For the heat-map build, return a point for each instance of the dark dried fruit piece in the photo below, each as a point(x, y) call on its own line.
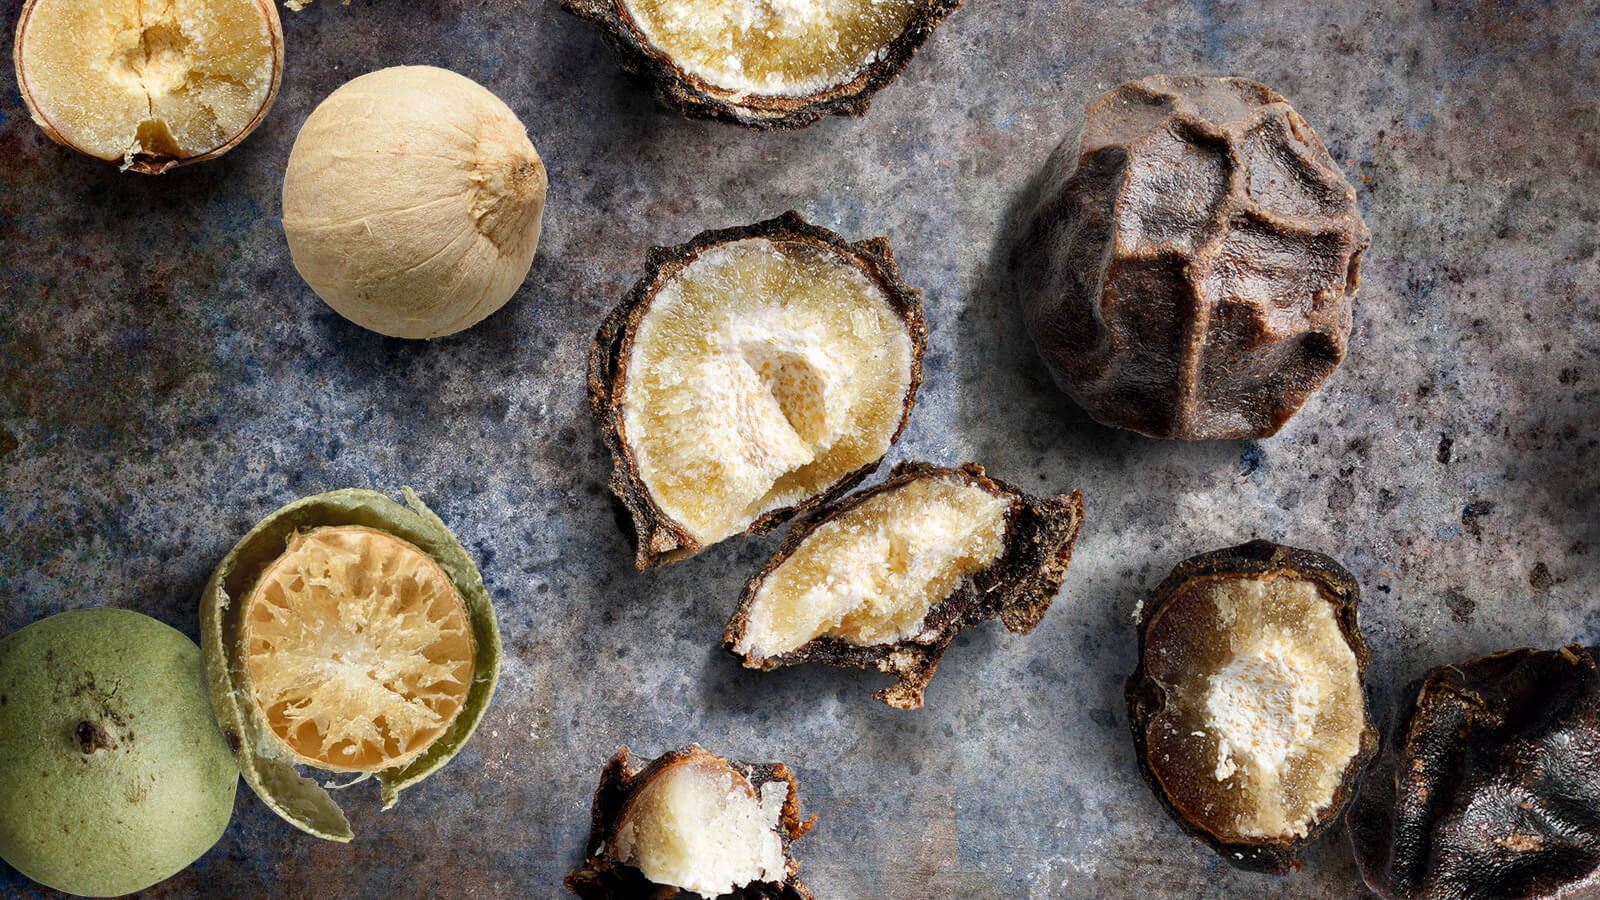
point(752, 374)
point(885, 579)
point(765, 65)
point(1190, 265)
point(1248, 712)
point(692, 822)
point(1490, 787)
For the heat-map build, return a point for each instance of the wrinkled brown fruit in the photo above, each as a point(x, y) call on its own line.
point(1248, 710)
point(624, 784)
point(915, 587)
point(1490, 785)
point(1190, 265)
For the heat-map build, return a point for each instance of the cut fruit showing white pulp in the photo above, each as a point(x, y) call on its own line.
point(762, 373)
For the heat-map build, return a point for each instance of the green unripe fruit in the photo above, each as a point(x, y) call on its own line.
point(113, 775)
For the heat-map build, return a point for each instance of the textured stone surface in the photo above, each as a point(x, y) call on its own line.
point(166, 380)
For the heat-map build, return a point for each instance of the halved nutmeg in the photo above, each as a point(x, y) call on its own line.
point(691, 821)
point(1489, 787)
point(750, 375)
point(151, 84)
point(1248, 710)
point(886, 578)
point(765, 65)
point(346, 633)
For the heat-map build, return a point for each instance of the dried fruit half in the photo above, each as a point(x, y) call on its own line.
point(693, 822)
point(1248, 708)
point(750, 375)
point(347, 633)
point(151, 84)
point(765, 64)
point(886, 578)
point(1490, 786)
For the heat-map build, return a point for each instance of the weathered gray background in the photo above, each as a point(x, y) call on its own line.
point(166, 379)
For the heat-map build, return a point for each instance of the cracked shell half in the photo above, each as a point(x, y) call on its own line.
point(750, 375)
point(149, 84)
point(765, 63)
point(1248, 708)
point(691, 823)
point(886, 578)
point(346, 633)
point(1490, 785)
point(1191, 264)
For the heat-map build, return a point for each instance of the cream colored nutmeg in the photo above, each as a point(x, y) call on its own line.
point(151, 84)
point(413, 202)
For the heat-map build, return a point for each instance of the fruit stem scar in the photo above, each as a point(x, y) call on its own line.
point(91, 736)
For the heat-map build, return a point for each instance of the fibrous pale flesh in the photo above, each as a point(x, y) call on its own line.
point(413, 202)
point(347, 633)
point(696, 822)
point(766, 63)
point(151, 84)
point(750, 374)
point(886, 578)
point(1190, 266)
point(113, 774)
point(1248, 711)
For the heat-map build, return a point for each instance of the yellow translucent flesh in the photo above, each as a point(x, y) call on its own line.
point(760, 375)
point(1264, 708)
point(699, 826)
point(358, 650)
point(169, 78)
point(791, 48)
point(870, 575)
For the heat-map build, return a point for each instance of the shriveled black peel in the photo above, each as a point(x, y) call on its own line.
point(1146, 698)
point(602, 877)
point(697, 99)
point(1017, 588)
point(658, 540)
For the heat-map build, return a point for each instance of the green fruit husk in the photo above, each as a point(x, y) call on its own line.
point(266, 767)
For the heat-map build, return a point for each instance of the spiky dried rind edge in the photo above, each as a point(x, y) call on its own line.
point(148, 163)
point(1257, 558)
point(1405, 759)
point(1017, 588)
point(603, 878)
point(268, 771)
point(658, 540)
point(696, 99)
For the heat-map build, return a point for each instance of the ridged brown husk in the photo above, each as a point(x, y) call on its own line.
point(1489, 787)
point(658, 540)
point(1017, 589)
point(603, 878)
point(1146, 698)
point(1190, 267)
point(697, 99)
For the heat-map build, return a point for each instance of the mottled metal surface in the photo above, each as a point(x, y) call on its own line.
point(166, 379)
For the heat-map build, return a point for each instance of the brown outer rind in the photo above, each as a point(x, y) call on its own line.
point(149, 163)
point(658, 540)
point(1145, 698)
point(1018, 588)
point(603, 878)
point(697, 99)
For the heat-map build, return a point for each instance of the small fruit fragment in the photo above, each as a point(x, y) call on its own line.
point(749, 375)
point(151, 84)
point(886, 578)
point(693, 821)
point(1190, 267)
point(413, 202)
point(384, 632)
point(346, 632)
point(766, 63)
point(1248, 711)
point(1489, 786)
point(113, 775)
